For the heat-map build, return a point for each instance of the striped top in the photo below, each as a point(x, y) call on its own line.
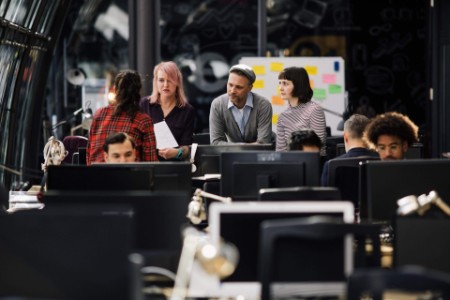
point(305, 115)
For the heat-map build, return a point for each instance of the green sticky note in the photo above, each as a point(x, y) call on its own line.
point(320, 94)
point(334, 89)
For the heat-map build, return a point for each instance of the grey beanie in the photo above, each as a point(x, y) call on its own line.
point(248, 71)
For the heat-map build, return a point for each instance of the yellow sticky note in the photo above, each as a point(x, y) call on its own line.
point(259, 70)
point(258, 84)
point(277, 100)
point(274, 118)
point(276, 67)
point(312, 70)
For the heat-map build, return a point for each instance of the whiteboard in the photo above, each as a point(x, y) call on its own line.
point(327, 77)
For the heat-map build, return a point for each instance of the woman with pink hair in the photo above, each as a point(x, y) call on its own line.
point(168, 103)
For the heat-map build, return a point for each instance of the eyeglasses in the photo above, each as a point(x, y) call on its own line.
point(390, 148)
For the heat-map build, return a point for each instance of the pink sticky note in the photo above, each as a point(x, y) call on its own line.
point(329, 78)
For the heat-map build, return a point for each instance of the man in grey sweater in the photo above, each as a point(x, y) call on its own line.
point(240, 116)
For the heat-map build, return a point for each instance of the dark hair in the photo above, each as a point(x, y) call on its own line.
point(355, 126)
point(391, 123)
point(303, 137)
point(300, 79)
point(128, 92)
point(118, 138)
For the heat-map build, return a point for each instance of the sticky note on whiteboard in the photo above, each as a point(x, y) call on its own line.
point(277, 100)
point(312, 70)
point(329, 78)
point(258, 84)
point(275, 118)
point(276, 67)
point(334, 89)
point(259, 70)
point(320, 94)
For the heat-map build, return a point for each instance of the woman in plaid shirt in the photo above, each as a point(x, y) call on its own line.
point(123, 115)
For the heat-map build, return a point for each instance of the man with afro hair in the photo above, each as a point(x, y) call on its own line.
point(391, 134)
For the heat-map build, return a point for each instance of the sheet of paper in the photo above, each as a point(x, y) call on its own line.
point(164, 137)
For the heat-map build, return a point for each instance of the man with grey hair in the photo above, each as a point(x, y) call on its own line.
point(240, 116)
point(355, 146)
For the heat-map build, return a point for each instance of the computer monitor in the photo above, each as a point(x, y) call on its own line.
point(422, 241)
point(414, 152)
point(159, 216)
point(66, 253)
point(207, 157)
point(82, 178)
point(239, 223)
point(384, 182)
point(157, 176)
point(243, 174)
point(300, 193)
point(167, 175)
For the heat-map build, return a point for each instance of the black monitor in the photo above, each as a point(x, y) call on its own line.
point(207, 157)
point(243, 174)
point(239, 224)
point(167, 175)
point(384, 182)
point(66, 253)
point(415, 151)
point(421, 240)
point(159, 216)
point(300, 193)
point(146, 176)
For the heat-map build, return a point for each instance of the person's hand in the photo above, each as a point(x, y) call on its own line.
point(168, 153)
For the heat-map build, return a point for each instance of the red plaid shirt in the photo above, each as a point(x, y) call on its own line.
point(105, 124)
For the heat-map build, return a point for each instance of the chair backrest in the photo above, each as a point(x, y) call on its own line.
point(313, 249)
point(374, 282)
point(416, 151)
point(202, 138)
point(300, 193)
point(72, 143)
point(344, 174)
point(331, 143)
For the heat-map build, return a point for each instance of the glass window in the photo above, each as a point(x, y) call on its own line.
point(205, 38)
point(3, 5)
point(47, 18)
point(32, 13)
point(17, 11)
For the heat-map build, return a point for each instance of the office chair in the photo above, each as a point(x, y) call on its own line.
point(415, 151)
point(72, 143)
point(344, 174)
point(312, 250)
point(300, 193)
point(374, 282)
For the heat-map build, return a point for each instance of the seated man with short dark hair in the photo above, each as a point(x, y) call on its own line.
point(119, 148)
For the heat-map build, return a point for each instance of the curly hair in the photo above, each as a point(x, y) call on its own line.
point(391, 123)
point(128, 92)
point(300, 79)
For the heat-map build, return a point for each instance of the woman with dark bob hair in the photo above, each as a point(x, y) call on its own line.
point(302, 112)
